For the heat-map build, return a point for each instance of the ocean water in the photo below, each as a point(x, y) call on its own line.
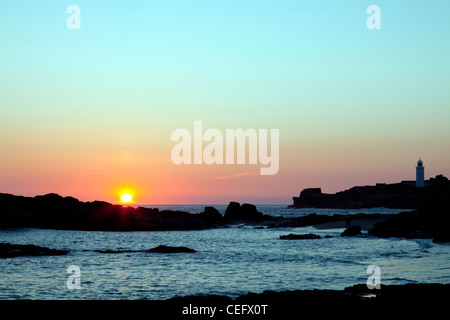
point(230, 261)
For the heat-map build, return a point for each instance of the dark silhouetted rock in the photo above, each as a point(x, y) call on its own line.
point(211, 213)
point(233, 210)
point(292, 236)
point(397, 300)
point(403, 195)
point(351, 231)
point(442, 237)
point(427, 223)
point(246, 212)
point(52, 211)
point(356, 302)
point(168, 249)
point(8, 250)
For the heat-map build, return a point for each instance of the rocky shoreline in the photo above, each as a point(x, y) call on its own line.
point(402, 195)
point(56, 212)
point(431, 300)
point(401, 299)
point(52, 211)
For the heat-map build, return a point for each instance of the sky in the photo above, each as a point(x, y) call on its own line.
point(89, 112)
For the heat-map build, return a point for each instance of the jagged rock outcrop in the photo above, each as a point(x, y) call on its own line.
point(211, 214)
point(246, 212)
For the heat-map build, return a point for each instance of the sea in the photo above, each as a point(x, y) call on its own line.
point(229, 261)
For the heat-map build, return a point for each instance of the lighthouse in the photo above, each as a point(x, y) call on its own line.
point(420, 176)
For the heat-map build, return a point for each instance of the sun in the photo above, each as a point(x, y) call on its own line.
point(126, 197)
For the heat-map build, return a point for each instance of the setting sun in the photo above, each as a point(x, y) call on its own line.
point(126, 197)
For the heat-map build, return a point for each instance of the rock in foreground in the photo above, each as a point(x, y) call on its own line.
point(395, 300)
point(356, 302)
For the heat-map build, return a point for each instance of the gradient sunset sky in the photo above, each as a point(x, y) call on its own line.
point(89, 113)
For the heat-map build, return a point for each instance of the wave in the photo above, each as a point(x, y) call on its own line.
point(424, 243)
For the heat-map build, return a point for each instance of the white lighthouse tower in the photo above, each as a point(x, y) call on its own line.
point(420, 176)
